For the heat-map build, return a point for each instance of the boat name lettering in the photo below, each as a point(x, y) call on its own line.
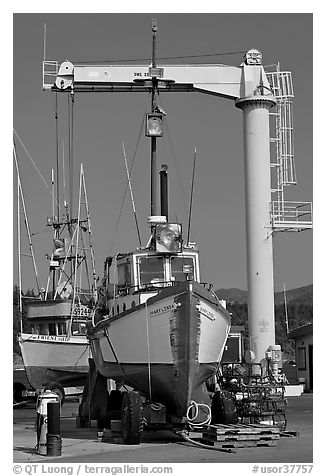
point(82, 311)
point(51, 338)
point(161, 310)
point(206, 312)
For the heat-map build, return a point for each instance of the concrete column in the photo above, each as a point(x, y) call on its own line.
point(260, 277)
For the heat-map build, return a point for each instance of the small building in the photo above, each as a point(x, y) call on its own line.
point(304, 354)
point(233, 351)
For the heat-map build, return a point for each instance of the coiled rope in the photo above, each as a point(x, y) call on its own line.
point(197, 406)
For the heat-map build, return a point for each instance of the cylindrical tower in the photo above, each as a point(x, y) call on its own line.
point(260, 278)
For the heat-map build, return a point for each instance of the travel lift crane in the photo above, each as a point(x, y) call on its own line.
point(256, 92)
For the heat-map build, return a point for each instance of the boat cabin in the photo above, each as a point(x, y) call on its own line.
point(53, 317)
point(132, 278)
point(148, 270)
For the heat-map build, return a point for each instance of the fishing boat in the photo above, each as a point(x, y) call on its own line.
point(159, 332)
point(55, 350)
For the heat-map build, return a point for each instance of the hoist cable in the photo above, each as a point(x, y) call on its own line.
point(57, 151)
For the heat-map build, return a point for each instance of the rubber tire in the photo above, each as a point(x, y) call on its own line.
point(223, 408)
point(115, 405)
point(18, 392)
point(58, 389)
point(115, 400)
point(132, 418)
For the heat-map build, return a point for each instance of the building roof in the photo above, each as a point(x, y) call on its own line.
point(300, 331)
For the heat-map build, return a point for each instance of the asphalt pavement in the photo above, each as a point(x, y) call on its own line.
point(80, 445)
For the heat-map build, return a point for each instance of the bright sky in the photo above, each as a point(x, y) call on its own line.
point(212, 125)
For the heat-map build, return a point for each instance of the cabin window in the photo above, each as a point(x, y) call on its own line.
point(151, 269)
point(124, 279)
point(52, 329)
point(133, 304)
point(75, 328)
point(124, 307)
point(42, 330)
point(182, 268)
point(62, 328)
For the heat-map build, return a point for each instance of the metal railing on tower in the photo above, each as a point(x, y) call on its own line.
point(285, 215)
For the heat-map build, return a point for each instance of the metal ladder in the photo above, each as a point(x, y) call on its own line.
point(285, 215)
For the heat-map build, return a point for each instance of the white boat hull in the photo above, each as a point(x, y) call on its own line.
point(166, 348)
point(55, 358)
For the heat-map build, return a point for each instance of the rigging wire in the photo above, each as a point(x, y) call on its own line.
point(165, 57)
point(71, 101)
point(148, 355)
point(35, 166)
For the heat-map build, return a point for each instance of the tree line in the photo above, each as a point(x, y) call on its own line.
point(298, 315)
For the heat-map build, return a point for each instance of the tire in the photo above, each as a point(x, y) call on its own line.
point(115, 405)
point(132, 418)
point(58, 389)
point(223, 408)
point(115, 400)
point(18, 392)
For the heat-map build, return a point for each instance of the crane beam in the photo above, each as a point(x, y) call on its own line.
point(224, 81)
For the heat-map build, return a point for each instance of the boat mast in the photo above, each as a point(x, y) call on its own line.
point(21, 209)
point(153, 139)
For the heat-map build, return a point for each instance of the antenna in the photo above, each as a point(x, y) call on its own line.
point(44, 42)
point(286, 310)
point(191, 194)
point(52, 185)
point(131, 194)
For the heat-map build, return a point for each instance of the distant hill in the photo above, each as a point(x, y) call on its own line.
point(302, 295)
point(232, 295)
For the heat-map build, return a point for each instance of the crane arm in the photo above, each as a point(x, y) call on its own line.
point(225, 81)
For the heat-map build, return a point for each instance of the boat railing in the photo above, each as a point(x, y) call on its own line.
point(149, 287)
